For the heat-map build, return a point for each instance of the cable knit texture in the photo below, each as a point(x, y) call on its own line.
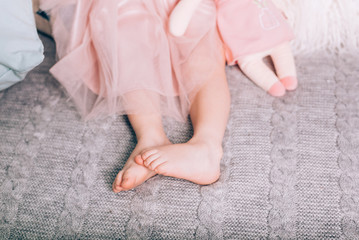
point(347, 109)
point(282, 195)
point(289, 169)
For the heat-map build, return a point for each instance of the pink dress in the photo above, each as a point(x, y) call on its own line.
point(117, 56)
point(250, 26)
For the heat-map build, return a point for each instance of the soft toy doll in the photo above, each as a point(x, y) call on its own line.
point(251, 30)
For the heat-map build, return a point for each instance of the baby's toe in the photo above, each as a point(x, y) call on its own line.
point(151, 159)
point(147, 153)
point(139, 160)
point(161, 169)
point(116, 185)
point(155, 164)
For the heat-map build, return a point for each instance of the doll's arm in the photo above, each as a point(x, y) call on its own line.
point(181, 16)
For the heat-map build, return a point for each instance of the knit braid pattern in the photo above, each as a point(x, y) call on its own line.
point(289, 169)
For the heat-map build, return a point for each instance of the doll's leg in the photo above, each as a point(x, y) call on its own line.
point(285, 67)
point(198, 160)
point(262, 75)
point(149, 133)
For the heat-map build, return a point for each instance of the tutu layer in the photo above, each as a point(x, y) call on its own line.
point(117, 56)
point(250, 26)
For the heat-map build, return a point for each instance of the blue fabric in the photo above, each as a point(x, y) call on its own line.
point(20, 47)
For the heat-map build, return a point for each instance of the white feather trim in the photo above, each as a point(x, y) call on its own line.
point(323, 24)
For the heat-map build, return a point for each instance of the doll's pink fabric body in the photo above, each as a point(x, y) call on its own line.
point(250, 26)
point(117, 56)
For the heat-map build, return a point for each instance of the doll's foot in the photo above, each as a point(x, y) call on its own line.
point(133, 174)
point(290, 83)
point(196, 161)
point(277, 89)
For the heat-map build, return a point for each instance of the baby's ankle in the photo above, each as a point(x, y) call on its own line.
point(214, 146)
point(153, 138)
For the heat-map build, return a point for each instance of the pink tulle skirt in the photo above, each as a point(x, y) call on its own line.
point(117, 56)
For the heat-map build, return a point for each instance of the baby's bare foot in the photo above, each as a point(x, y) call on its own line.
point(133, 174)
point(198, 162)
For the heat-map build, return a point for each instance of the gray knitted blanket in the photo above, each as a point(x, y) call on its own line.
point(290, 168)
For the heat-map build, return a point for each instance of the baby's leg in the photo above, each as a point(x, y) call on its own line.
point(149, 133)
point(256, 70)
point(285, 67)
point(198, 160)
